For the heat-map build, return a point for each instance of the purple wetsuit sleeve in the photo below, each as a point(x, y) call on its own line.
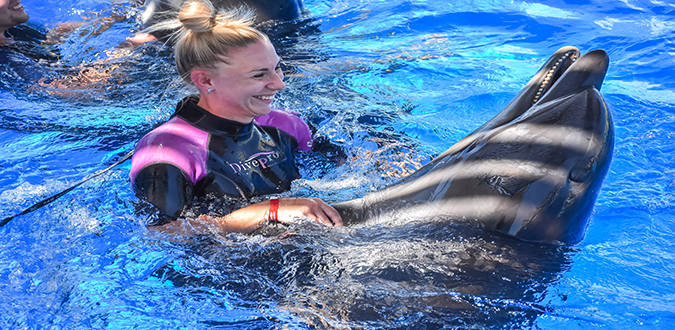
point(167, 163)
point(290, 124)
point(177, 143)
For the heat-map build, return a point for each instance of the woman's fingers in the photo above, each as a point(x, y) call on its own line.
point(330, 212)
point(320, 217)
point(313, 208)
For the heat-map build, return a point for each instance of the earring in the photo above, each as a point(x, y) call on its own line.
point(208, 91)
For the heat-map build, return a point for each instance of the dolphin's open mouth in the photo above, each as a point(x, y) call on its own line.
point(557, 70)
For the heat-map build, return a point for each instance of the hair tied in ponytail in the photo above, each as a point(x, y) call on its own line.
point(214, 20)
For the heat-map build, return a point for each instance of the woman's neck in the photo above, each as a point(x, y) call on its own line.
point(213, 109)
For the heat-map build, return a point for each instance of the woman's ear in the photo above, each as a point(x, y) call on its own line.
point(202, 79)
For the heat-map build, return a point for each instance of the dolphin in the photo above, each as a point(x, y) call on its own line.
point(533, 171)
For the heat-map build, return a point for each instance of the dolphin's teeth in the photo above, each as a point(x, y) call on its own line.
point(550, 73)
point(573, 57)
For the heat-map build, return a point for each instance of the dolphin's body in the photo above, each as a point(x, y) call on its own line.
point(533, 171)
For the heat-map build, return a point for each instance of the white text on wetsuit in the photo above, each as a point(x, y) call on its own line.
point(262, 160)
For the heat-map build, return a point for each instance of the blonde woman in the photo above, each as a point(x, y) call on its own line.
point(222, 141)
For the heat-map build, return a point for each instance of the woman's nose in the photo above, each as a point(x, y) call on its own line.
point(277, 82)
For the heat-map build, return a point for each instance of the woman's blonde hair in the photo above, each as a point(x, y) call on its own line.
point(206, 35)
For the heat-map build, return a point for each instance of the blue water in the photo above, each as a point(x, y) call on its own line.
point(393, 82)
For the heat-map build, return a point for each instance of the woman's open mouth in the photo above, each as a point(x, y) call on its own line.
point(264, 97)
point(17, 6)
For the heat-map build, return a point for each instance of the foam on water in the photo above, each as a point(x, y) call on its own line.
point(392, 82)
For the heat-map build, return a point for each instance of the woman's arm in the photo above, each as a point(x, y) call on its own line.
point(166, 187)
point(254, 216)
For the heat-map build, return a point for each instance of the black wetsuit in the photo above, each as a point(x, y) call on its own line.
point(197, 153)
point(24, 60)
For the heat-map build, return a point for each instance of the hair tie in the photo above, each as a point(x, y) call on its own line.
point(213, 19)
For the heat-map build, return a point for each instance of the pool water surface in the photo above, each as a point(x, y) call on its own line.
point(394, 83)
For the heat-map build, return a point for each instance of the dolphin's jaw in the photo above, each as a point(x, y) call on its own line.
point(558, 68)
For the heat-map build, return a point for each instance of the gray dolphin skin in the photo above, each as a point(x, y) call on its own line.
point(533, 171)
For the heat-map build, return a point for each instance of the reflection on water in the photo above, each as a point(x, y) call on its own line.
point(393, 84)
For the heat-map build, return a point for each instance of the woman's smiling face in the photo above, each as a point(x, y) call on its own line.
point(243, 86)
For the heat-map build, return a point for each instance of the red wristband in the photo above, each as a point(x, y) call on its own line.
point(274, 207)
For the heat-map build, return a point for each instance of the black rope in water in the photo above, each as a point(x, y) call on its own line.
point(67, 190)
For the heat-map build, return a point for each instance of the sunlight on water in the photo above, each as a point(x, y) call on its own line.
point(541, 10)
point(394, 83)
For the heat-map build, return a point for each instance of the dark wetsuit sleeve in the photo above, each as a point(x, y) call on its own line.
point(165, 186)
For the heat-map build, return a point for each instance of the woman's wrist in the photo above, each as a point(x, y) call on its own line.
point(273, 212)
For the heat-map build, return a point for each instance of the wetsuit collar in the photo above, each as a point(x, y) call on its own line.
point(188, 110)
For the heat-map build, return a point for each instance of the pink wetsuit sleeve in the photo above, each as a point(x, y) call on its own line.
point(175, 142)
point(290, 124)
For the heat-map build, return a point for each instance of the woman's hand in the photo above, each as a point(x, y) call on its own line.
point(254, 216)
point(312, 208)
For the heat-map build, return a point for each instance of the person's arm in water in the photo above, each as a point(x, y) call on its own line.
point(157, 10)
point(98, 22)
point(166, 187)
point(256, 215)
point(140, 38)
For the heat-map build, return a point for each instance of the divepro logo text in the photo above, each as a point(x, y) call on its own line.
point(262, 160)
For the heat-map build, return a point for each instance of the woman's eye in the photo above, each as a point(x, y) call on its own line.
point(259, 75)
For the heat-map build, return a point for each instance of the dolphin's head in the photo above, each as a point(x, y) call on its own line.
point(533, 171)
point(562, 146)
point(540, 83)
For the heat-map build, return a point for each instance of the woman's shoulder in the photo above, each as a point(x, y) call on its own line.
point(290, 124)
point(174, 132)
point(175, 142)
point(28, 32)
